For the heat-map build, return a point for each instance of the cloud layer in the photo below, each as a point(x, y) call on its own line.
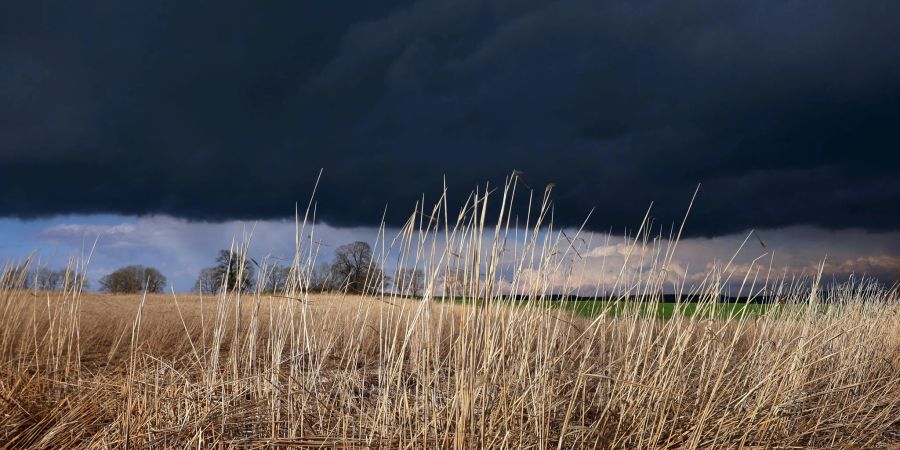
point(180, 248)
point(786, 111)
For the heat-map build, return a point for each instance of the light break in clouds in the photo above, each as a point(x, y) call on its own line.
point(180, 248)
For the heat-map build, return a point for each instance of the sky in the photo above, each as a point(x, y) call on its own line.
point(170, 127)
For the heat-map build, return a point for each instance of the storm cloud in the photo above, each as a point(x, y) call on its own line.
point(787, 112)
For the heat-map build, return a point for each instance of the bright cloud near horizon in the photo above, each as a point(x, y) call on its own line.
point(181, 248)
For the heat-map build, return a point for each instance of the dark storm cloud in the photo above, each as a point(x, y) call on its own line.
point(787, 112)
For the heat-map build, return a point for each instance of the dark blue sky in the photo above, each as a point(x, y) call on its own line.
point(787, 112)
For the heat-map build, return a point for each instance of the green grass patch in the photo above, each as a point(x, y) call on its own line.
point(663, 310)
point(591, 308)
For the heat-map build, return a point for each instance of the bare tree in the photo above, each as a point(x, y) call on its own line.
point(353, 269)
point(276, 278)
point(233, 269)
point(206, 282)
point(231, 272)
point(44, 279)
point(409, 282)
point(320, 278)
point(132, 279)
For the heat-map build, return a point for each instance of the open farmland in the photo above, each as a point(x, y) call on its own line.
point(332, 371)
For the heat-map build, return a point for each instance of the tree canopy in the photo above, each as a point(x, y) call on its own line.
point(133, 279)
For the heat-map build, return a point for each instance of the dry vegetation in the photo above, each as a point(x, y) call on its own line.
point(81, 370)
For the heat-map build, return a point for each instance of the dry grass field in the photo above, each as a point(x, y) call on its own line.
point(819, 369)
point(102, 371)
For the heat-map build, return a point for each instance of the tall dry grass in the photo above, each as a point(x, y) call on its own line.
point(296, 370)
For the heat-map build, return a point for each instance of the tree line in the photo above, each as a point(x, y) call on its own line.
point(40, 278)
point(353, 270)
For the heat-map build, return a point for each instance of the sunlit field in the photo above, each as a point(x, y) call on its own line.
point(659, 309)
point(807, 365)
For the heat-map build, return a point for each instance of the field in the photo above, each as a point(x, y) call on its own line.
point(101, 371)
point(818, 369)
point(664, 310)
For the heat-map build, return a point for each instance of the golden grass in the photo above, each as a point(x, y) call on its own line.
point(359, 372)
point(297, 370)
